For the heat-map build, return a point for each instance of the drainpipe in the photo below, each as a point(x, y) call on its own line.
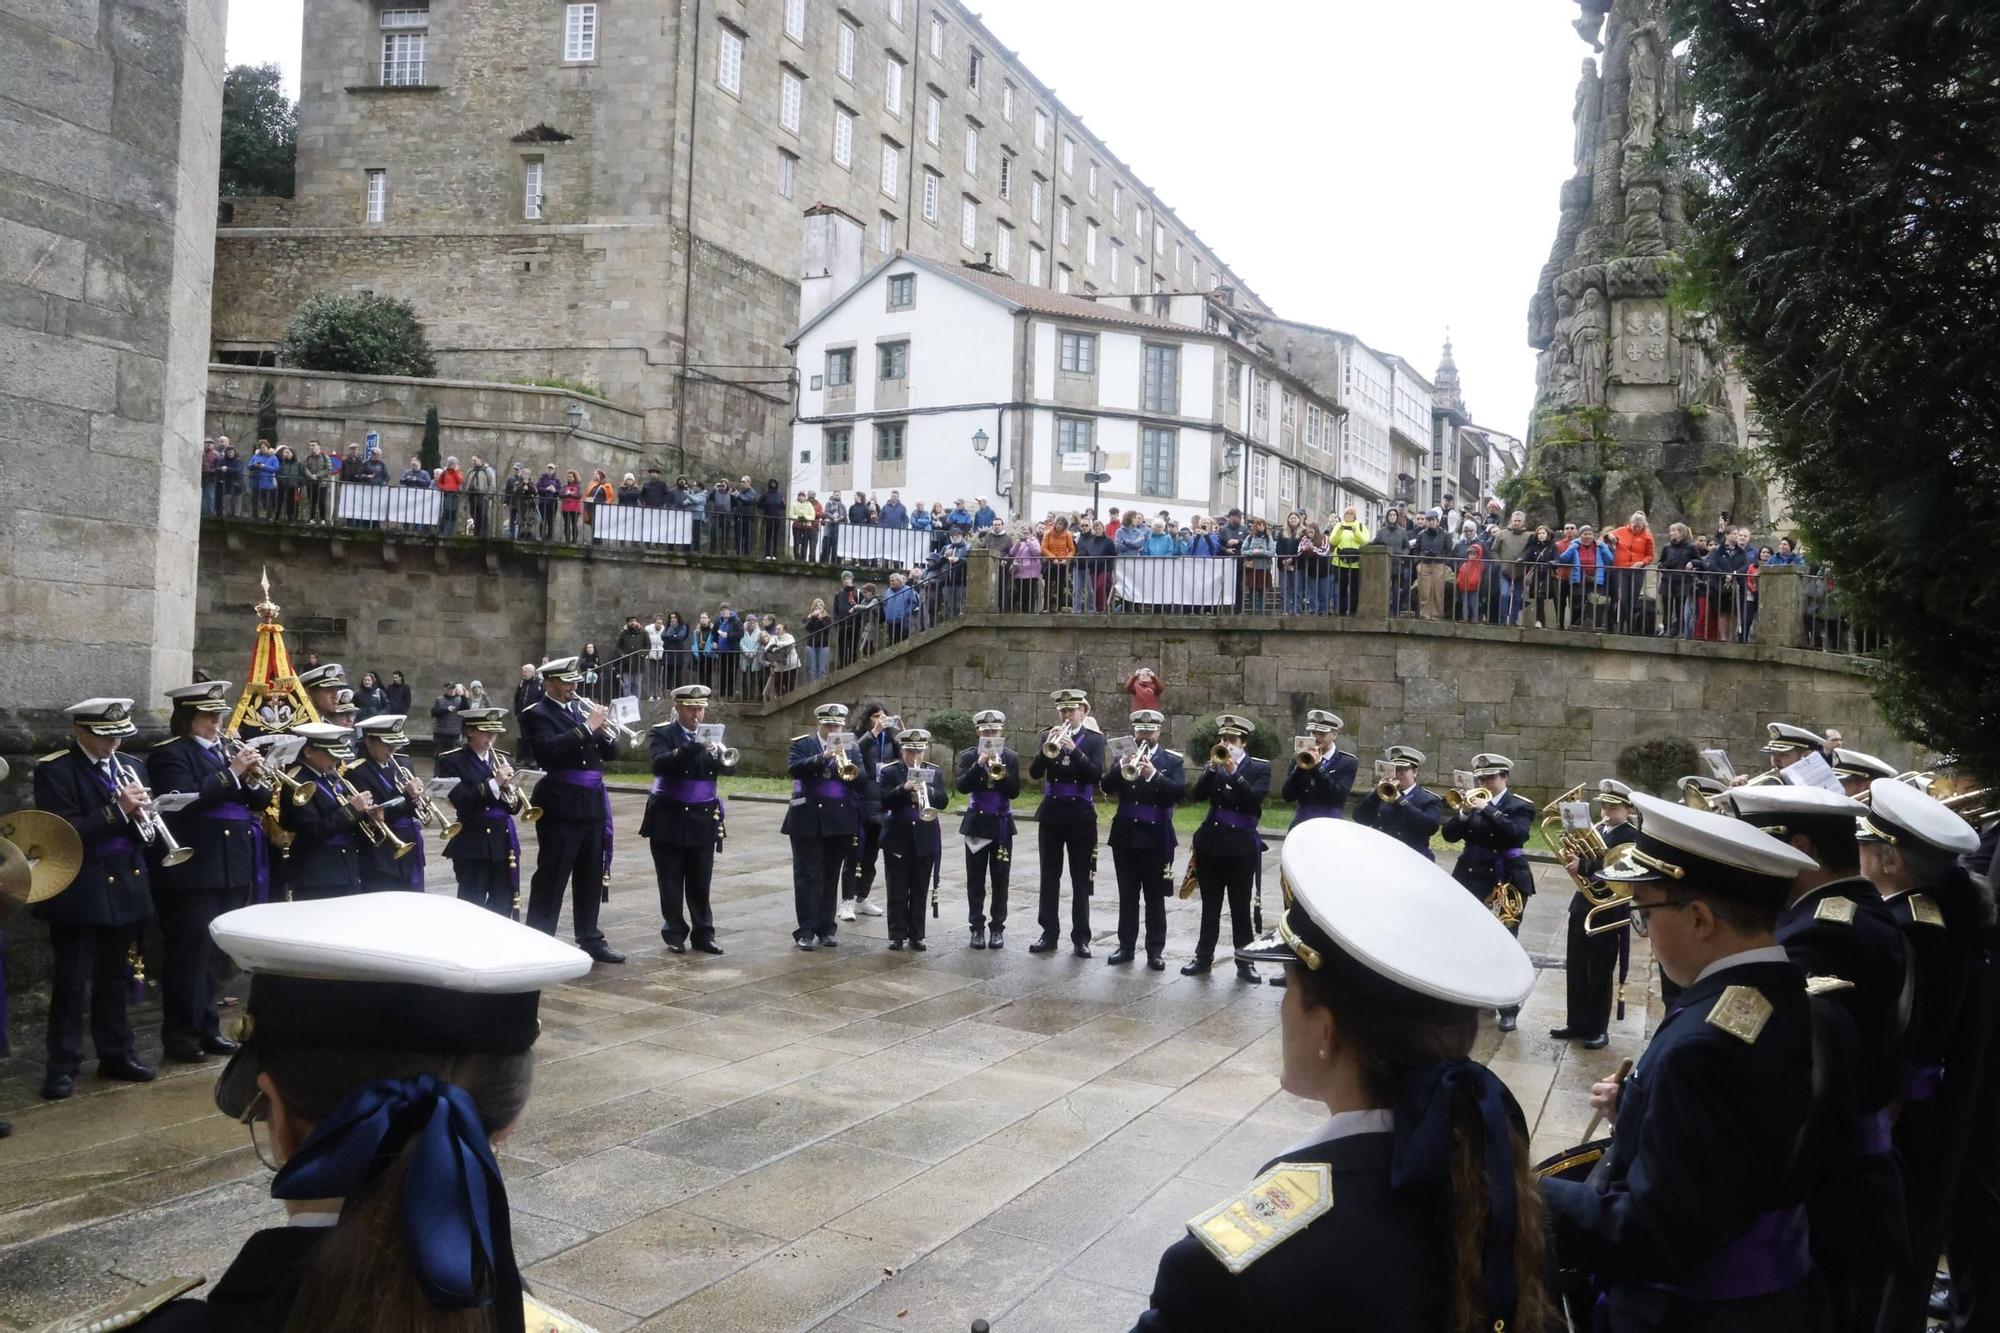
point(687, 253)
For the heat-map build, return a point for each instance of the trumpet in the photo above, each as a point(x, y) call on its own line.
point(1307, 760)
point(511, 796)
point(1476, 799)
point(1219, 754)
point(925, 811)
point(1387, 790)
point(373, 826)
point(425, 809)
point(844, 766)
point(152, 828)
point(1129, 770)
point(996, 767)
point(1052, 748)
point(300, 792)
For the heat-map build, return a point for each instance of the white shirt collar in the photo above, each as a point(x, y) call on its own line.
point(315, 1219)
point(1347, 1124)
point(1770, 953)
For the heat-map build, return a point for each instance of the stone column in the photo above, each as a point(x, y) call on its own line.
point(1781, 607)
point(107, 247)
point(1375, 574)
point(981, 569)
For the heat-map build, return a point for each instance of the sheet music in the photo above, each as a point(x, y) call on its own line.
point(438, 789)
point(1575, 814)
point(1717, 762)
point(1813, 771)
point(710, 733)
point(170, 802)
point(625, 709)
point(1385, 771)
point(990, 747)
point(1462, 779)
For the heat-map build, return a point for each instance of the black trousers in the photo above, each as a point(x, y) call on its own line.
point(816, 882)
point(909, 879)
point(996, 859)
point(187, 970)
point(1078, 844)
point(87, 958)
point(568, 851)
point(485, 883)
point(858, 867)
point(1142, 877)
point(1223, 877)
point(684, 874)
point(1592, 972)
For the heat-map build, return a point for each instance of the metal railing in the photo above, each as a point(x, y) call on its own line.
point(1711, 606)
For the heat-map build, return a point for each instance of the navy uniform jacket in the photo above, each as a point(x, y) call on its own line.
point(1845, 930)
point(1320, 792)
point(1145, 816)
point(225, 850)
point(112, 887)
point(822, 805)
point(1376, 1261)
point(380, 782)
point(973, 779)
point(1489, 834)
point(255, 1292)
point(1707, 1143)
point(900, 833)
point(1243, 792)
point(1941, 922)
point(560, 744)
point(1082, 767)
point(872, 750)
point(482, 817)
point(1410, 821)
point(680, 757)
point(325, 858)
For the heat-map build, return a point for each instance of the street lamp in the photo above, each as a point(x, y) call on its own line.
point(982, 444)
point(576, 416)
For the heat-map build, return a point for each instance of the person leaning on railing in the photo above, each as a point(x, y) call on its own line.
point(1678, 562)
point(1257, 551)
point(1586, 561)
point(1533, 571)
point(1347, 538)
point(1058, 549)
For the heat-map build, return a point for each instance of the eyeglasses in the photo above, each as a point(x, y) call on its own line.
point(1640, 924)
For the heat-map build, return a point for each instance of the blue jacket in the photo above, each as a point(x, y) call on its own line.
point(263, 470)
point(958, 518)
point(1131, 539)
point(895, 516)
point(921, 521)
point(898, 603)
point(1573, 557)
point(1205, 543)
point(984, 518)
point(1780, 558)
point(1159, 543)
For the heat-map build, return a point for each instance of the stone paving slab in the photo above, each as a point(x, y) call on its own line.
point(846, 1141)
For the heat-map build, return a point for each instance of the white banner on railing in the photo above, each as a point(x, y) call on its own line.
point(901, 547)
point(1176, 580)
point(634, 523)
point(389, 504)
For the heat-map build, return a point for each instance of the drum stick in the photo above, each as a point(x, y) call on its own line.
point(1624, 1072)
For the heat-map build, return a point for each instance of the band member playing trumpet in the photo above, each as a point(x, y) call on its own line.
point(913, 793)
point(1401, 806)
point(396, 791)
point(1228, 853)
point(823, 821)
point(1591, 974)
point(1321, 776)
point(1069, 763)
point(1494, 828)
point(327, 841)
point(1856, 770)
point(104, 797)
point(322, 685)
point(571, 740)
point(485, 853)
point(990, 783)
point(223, 828)
point(683, 822)
point(1148, 786)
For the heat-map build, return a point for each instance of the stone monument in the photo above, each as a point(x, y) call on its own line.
point(1634, 407)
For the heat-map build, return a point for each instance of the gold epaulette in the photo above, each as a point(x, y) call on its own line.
point(1826, 985)
point(1742, 1012)
point(1839, 910)
point(539, 1318)
point(796, 739)
point(1924, 910)
point(1278, 1205)
point(349, 768)
point(158, 744)
point(453, 750)
point(51, 758)
point(128, 1309)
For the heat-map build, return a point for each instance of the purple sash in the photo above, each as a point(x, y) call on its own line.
point(1771, 1256)
point(235, 812)
point(696, 791)
point(1070, 791)
point(993, 803)
point(590, 777)
point(1235, 819)
point(823, 789)
point(115, 845)
point(1487, 853)
point(1306, 812)
point(1925, 1080)
point(1872, 1137)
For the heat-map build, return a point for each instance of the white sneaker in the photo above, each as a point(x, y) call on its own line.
point(868, 908)
point(846, 912)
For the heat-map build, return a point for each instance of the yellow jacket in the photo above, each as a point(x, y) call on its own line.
point(1347, 539)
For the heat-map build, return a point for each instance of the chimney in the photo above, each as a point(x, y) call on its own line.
point(830, 262)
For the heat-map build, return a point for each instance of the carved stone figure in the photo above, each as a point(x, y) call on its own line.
point(1589, 108)
point(1642, 98)
point(1591, 21)
point(1645, 234)
point(1701, 382)
point(1587, 347)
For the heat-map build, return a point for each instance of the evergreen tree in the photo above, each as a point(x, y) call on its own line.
point(427, 453)
point(358, 335)
point(260, 133)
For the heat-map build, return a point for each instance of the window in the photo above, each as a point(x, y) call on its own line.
point(1197, 275)
point(1260, 407)
point(1117, 202)
point(1006, 175)
point(973, 64)
point(729, 62)
point(968, 223)
point(788, 173)
point(1041, 129)
point(1117, 253)
point(1260, 481)
point(378, 196)
point(403, 59)
point(1157, 466)
point(1034, 265)
point(1069, 156)
point(1159, 242)
point(1035, 201)
point(531, 189)
point(1090, 241)
point(843, 136)
point(1076, 435)
point(1003, 247)
point(885, 234)
point(1090, 179)
point(892, 360)
point(896, 12)
point(892, 87)
point(791, 97)
point(1163, 374)
point(1062, 278)
point(892, 168)
point(1288, 410)
point(931, 183)
point(889, 441)
point(902, 290)
point(580, 32)
point(1235, 380)
point(407, 18)
point(937, 37)
point(1006, 100)
point(839, 445)
point(971, 148)
point(845, 61)
point(1180, 259)
point(933, 113)
point(1077, 353)
point(795, 20)
point(1288, 483)
point(1062, 222)
point(839, 367)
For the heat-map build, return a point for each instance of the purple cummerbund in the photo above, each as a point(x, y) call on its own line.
point(1306, 812)
point(1069, 791)
point(233, 811)
point(989, 803)
point(688, 791)
point(116, 845)
point(1773, 1255)
point(580, 777)
point(824, 789)
point(1492, 855)
point(1234, 819)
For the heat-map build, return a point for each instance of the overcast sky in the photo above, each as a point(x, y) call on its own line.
point(1385, 168)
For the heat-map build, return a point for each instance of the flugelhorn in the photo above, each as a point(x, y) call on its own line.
point(1476, 799)
point(374, 825)
point(424, 808)
point(1052, 747)
point(1218, 753)
point(511, 796)
point(1129, 769)
point(152, 828)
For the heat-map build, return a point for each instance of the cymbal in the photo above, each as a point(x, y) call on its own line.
point(46, 846)
point(16, 875)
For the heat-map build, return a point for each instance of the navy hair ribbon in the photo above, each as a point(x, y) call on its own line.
point(1422, 1158)
point(455, 1218)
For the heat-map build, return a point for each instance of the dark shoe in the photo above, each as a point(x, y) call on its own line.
point(1506, 1020)
point(675, 946)
point(918, 946)
point(1196, 968)
point(1248, 972)
point(217, 1044)
point(996, 938)
point(708, 947)
point(978, 940)
point(125, 1070)
point(1081, 949)
point(184, 1053)
point(805, 945)
point(56, 1087)
point(601, 952)
point(1564, 1034)
point(1279, 981)
point(1123, 955)
point(828, 942)
point(1046, 944)
point(895, 946)
point(1598, 1042)
point(1155, 963)
point(5, 1129)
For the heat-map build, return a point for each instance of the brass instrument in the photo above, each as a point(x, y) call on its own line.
point(1506, 903)
point(996, 767)
point(375, 825)
point(1129, 769)
point(1478, 798)
point(1387, 790)
point(152, 828)
point(925, 811)
point(844, 766)
point(1770, 777)
point(424, 808)
point(1052, 747)
point(1581, 844)
point(300, 792)
point(511, 796)
point(1307, 759)
point(1972, 806)
point(1219, 754)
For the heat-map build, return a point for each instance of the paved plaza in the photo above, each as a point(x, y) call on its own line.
point(847, 1141)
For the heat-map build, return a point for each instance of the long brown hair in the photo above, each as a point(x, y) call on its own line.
point(1391, 1045)
point(358, 1279)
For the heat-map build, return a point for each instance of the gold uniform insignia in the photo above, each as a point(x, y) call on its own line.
point(1825, 985)
point(1924, 910)
point(539, 1318)
point(1840, 910)
point(128, 1309)
point(1742, 1012)
point(1278, 1205)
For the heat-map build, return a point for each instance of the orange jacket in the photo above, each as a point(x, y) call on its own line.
point(1634, 548)
point(1058, 544)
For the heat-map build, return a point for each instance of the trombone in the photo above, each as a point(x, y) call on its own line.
point(375, 825)
point(152, 828)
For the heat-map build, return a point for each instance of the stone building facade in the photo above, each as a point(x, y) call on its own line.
point(612, 193)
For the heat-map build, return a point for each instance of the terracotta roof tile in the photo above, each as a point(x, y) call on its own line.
point(1044, 301)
